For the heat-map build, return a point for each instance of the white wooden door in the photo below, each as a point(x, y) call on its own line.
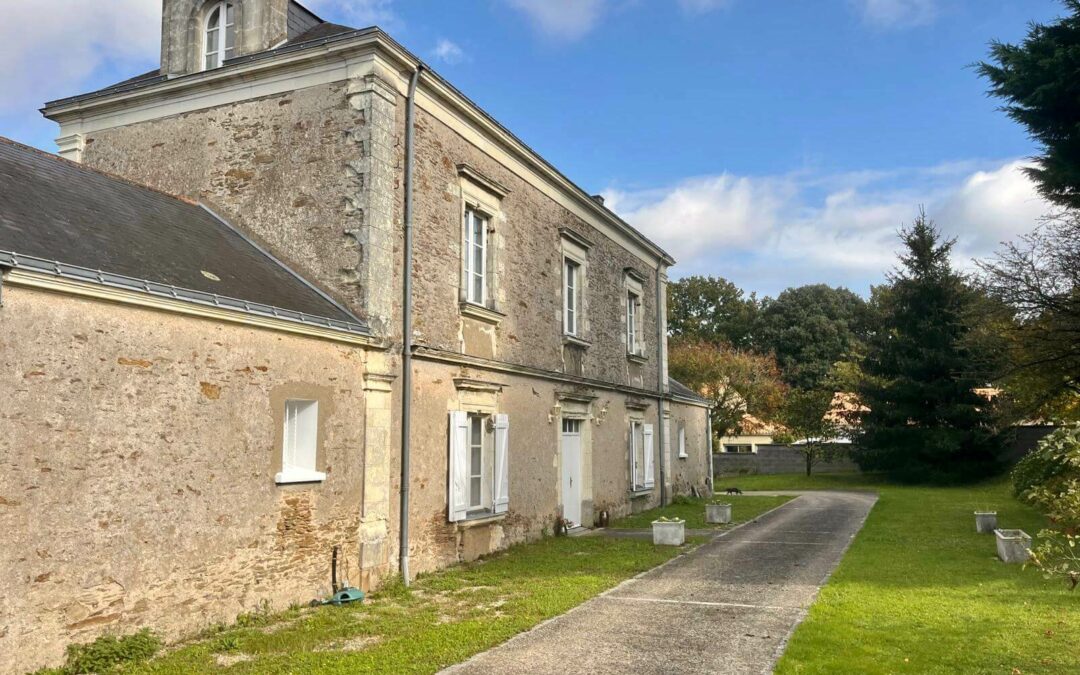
point(571, 470)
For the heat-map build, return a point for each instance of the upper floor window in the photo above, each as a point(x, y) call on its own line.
point(220, 35)
point(633, 333)
point(475, 257)
point(571, 296)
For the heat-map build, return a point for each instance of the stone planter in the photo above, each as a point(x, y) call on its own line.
point(1013, 545)
point(718, 514)
point(985, 522)
point(669, 533)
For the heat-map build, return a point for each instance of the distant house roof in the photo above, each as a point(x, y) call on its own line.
point(682, 391)
point(60, 217)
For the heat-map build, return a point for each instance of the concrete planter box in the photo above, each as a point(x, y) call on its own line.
point(668, 534)
point(718, 514)
point(1013, 545)
point(985, 522)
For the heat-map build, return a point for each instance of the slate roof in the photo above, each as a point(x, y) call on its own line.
point(52, 209)
point(682, 391)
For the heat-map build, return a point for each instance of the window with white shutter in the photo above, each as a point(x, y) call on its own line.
point(299, 443)
point(479, 465)
point(647, 433)
point(682, 441)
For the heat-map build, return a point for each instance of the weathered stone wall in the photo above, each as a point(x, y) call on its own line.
point(528, 268)
point(773, 459)
point(695, 469)
point(311, 174)
point(534, 439)
point(138, 456)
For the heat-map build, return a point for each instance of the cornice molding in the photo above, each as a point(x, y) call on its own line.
point(364, 53)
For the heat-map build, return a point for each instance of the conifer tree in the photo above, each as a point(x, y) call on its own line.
point(927, 421)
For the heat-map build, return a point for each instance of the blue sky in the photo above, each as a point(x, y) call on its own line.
point(773, 142)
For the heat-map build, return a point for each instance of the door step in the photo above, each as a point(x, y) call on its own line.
point(577, 531)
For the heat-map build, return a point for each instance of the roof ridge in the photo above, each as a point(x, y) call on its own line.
point(100, 172)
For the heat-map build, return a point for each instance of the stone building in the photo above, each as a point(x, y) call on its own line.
point(147, 442)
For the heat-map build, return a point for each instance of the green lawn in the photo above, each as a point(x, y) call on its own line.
point(920, 592)
point(693, 512)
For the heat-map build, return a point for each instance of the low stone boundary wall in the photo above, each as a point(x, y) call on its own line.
point(772, 459)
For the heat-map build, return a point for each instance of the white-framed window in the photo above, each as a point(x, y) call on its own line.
point(641, 456)
point(571, 296)
point(475, 256)
point(738, 448)
point(219, 35)
point(633, 332)
point(299, 443)
point(479, 469)
point(682, 442)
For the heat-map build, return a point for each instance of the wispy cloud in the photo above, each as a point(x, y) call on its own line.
point(359, 13)
point(562, 19)
point(448, 52)
point(50, 48)
point(769, 232)
point(893, 14)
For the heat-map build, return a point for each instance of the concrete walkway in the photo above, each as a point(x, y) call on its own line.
point(727, 607)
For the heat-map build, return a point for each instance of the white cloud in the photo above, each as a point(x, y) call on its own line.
point(49, 48)
point(897, 13)
point(448, 52)
point(562, 19)
point(767, 233)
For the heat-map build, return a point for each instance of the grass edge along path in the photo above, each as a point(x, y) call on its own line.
point(444, 618)
point(920, 592)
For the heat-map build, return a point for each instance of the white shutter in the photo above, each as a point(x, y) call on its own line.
point(648, 451)
point(501, 492)
point(632, 453)
point(457, 489)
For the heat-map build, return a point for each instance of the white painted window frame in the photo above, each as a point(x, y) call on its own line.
point(495, 475)
point(682, 442)
point(633, 299)
point(222, 52)
point(572, 277)
point(300, 443)
point(474, 213)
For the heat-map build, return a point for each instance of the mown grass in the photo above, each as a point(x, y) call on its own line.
point(743, 508)
point(920, 592)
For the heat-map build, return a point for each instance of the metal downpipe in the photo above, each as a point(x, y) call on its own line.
point(660, 382)
point(406, 326)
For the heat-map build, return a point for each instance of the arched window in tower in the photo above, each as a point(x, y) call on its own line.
point(220, 35)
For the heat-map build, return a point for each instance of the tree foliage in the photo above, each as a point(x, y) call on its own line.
point(1048, 478)
point(1039, 80)
point(736, 381)
point(1039, 279)
point(712, 309)
point(805, 416)
point(811, 328)
point(925, 419)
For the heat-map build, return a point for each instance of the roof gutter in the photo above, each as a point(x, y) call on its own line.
point(406, 323)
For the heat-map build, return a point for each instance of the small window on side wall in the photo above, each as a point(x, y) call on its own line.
point(299, 443)
point(682, 442)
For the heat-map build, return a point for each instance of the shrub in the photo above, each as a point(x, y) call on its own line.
point(104, 654)
point(1049, 478)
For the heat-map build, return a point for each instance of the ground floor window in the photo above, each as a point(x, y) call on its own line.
point(641, 456)
point(478, 461)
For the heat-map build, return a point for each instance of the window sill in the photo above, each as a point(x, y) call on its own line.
point(684, 456)
point(479, 519)
point(481, 313)
point(299, 476)
point(637, 358)
point(576, 341)
point(638, 493)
